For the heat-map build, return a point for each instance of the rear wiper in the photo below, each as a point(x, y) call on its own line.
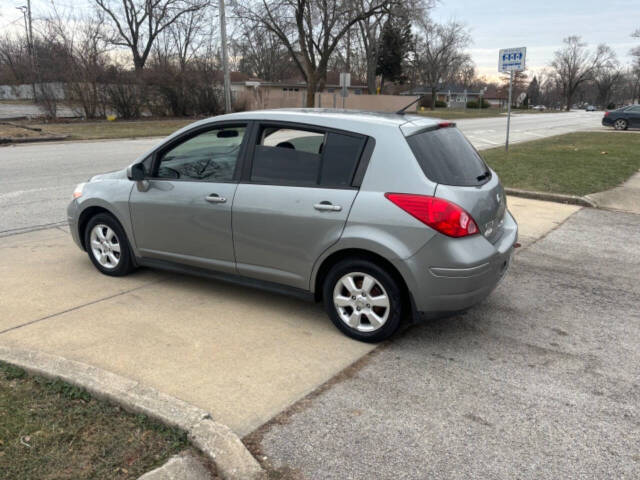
point(486, 174)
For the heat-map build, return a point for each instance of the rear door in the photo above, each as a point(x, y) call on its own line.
point(633, 114)
point(293, 200)
point(449, 159)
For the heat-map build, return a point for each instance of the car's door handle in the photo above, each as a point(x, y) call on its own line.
point(327, 207)
point(215, 198)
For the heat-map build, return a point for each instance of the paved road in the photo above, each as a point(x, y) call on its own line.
point(36, 180)
point(540, 381)
point(491, 132)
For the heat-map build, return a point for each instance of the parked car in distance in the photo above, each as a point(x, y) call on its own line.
point(622, 118)
point(379, 216)
point(590, 108)
point(539, 107)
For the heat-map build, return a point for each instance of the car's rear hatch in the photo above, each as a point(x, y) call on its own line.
point(448, 159)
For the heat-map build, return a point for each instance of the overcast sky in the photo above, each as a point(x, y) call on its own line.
point(540, 26)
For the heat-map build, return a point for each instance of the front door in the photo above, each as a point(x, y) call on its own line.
point(293, 201)
point(183, 212)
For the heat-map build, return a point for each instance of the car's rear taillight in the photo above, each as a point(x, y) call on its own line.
point(606, 114)
point(441, 215)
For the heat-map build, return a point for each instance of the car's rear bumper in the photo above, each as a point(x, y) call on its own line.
point(449, 275)
point(607, 122)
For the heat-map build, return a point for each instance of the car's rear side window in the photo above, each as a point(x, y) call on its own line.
point(339, 159)
point(291, 156)
point(447, 157)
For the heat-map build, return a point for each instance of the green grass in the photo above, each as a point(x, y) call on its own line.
point(455, 114)
point(81, 130)
point(52, 430)
point(576, 163)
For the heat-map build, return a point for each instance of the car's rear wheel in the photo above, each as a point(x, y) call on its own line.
point(363, 300)
point(620, 124)
point(107, 245)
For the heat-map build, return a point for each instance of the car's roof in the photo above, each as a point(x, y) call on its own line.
point(353, 120)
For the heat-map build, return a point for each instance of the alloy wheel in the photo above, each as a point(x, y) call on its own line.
point(620, 124)
point(105, 246)
point(361, 301)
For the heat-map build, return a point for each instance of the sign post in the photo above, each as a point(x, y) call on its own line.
point(511, 60)
point(345, 83)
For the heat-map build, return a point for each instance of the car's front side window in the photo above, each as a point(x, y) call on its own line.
point(209, 156)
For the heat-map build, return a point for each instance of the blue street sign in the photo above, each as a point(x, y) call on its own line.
point(512, 59)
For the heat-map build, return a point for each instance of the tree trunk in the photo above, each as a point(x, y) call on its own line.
point(311, 92)
point(371, 76)
point(569, 97)
point(434, 93)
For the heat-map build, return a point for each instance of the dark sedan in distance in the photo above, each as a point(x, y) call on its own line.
point(622, 118)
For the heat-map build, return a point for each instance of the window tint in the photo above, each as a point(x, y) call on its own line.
point(447, 157)
point(634, 109)
point(304, 157)
point(301, 140)
point(339, 159)
point(209, 156)
point(286, 155)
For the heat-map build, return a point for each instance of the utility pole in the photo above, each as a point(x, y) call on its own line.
point(225, 59)
point(506, 145)
point(28, 30)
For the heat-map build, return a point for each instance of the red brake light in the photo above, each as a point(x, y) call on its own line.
point(446, 124)
point(444, 216)
point(606, 114)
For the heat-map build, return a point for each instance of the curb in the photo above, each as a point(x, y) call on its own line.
point(552, 197)
point(216, 441)
point(9, 141)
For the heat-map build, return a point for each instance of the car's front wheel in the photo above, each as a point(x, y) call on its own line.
point(107, 245)
point(363, 300)
point(620, 124)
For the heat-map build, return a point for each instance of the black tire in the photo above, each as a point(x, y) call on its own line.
point(384, 279)
point(124, 264)
point(621, 124)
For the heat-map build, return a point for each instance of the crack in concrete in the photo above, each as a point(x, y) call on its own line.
point(78, 307)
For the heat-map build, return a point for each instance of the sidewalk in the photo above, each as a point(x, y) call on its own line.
point(625, 198)
point(242, 354)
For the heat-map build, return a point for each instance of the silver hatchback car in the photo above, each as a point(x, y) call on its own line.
point(379, 216)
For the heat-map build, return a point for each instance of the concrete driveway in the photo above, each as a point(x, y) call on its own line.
point(542, 381)
point(242, 354)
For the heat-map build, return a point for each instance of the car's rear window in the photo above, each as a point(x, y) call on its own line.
point(447, 157)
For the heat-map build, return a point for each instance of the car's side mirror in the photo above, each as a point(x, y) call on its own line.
point(136, 172)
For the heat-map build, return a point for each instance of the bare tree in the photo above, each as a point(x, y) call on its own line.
point(606, 78)
point(310, 30)
point(85, 63)
point(262, 54)
point(135, 24)
point(574, 65)
point(439, 54)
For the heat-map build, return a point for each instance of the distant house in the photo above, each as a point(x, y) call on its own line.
point(456, 96)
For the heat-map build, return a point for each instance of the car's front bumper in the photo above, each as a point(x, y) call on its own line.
point(73, 212)
point(449, 275)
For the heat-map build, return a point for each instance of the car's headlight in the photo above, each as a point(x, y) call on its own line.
point(77, 193)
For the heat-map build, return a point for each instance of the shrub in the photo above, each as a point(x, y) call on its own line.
point(474, 104)
point(441, 104)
